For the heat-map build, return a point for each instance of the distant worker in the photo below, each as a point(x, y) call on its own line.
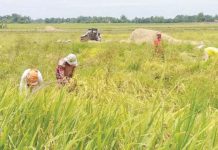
point(210, 52)
point(31, 79)
point(66, 68)
point(158, 45)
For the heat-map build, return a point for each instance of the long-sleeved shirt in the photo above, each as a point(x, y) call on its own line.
point(23, 81)
point(60, 69)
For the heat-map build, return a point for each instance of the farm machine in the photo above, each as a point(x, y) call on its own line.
point(92, 34)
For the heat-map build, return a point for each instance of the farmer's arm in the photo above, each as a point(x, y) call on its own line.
point(74, 68)
point(60, 75)
point(40, 78)
point(60, 72)
point(23, 79)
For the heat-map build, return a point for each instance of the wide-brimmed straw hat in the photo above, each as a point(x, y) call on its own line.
point(158, 33)
point(71, 59)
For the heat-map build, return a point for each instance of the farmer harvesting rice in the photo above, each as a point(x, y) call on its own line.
point(31, 79)
point(65, 69)
point(158, 45)
point(210, 52)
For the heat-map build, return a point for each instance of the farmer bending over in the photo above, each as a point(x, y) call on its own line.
point(158, 45)
point(31, 79)
point(210, 52)
point(65, 69)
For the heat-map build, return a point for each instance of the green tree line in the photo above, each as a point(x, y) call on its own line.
point(16, 18)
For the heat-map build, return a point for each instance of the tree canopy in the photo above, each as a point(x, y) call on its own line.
point(16, 18)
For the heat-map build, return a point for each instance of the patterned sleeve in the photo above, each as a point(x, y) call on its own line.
point(60, 72)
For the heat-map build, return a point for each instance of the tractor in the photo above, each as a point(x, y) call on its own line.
point(91, 34)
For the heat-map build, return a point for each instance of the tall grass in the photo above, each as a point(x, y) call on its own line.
point(125, 98)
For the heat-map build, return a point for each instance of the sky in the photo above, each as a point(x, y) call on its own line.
point(114, 8)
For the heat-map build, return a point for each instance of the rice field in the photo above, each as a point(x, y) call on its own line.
point(125, 98)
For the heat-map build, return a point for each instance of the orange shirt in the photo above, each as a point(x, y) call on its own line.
point(157, 42)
